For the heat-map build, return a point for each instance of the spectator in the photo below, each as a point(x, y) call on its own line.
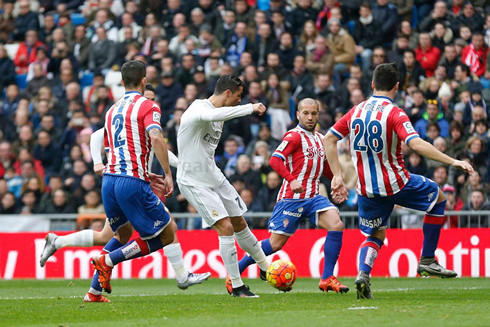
point(263, 135)
point(225, 29)
point(7, 69)
point(47, 152)
point(326, 93)
point(441, 36)
point(87, 184)
point(260, 158)
point(453, 203)
point(25, 139)
point(462, 80)
point(102, 20)
point(300, 76)
point(25, 21)
point(396, 55)
point(250, 177)
point(478, 202)
point(41, 59)
point(306, 42)
point(26, 54)
point(366, 35)
point(75, 125)
point(303, 12)
point(177, 43)
point(345, 94)
point(342, 46)
point(103, 102)
point(273, 66)
point(475, 55)
point(450, 60)
point(127, 20)
point(29, 205)
point(432, 115)
point(455, 141)
point(168, 92)
point(475, 150)
point(37, 82)
point(7, 22)
point(268, 193)
point(213, 16)
point(440, 176)
point(440, 14)
point(280, 25)
point(427, 55)
point(151, 39)
point(265, 44)
point(93, 204)
point(183, 75)
point(14, 181)
point(59, 203)
point(10, 103)
point(287, 51)
point(255, 95)
point(102, 53)
point(411, 71)
point(469, 18)
point(416, 164)
point(278, 109)
point(386, 15)
point(9, 204)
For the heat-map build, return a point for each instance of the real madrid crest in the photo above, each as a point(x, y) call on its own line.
point(215, 213)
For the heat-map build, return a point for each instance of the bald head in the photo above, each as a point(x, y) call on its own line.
point(308, 110)
point(307, 102)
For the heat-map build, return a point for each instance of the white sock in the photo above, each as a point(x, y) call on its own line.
point(94, 291)
point(227, 250)
point(84, 238)
point(248, 242)
point(174, 255)
point(108, 260)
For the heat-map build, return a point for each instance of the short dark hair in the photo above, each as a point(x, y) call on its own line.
point(149, 87)
point(433, 124)
point(464, 68)
point(227, 82)
point(386, 76)
point(410, 51)
point(366, 4)
point(132, 73)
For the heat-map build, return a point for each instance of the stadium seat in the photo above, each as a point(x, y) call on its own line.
point(118, 92)
point(292, 108)
point(414, 17)
point(113, 78)
point(351, 24)
point(85, 92)
point(77, 19)
point(56, 18)
point(21, 81)
point(12, 49)
point(87, 79)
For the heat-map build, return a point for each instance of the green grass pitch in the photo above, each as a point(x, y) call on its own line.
point(397, 302)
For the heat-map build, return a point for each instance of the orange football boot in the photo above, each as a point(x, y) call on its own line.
point(104, 271)
point(332, 284)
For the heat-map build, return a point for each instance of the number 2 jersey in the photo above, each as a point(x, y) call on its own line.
point(126, 139)
point(304, 160)
point(377, 129)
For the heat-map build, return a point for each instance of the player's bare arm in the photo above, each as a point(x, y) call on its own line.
point(160, 148)
point(429, 151)
point(339, 192)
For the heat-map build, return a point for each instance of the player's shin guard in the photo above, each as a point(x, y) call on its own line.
point(84, 238)
point(174, 254)
point(112, 245)
point(134, 249)
point(331, 249)
point(248, 242)
point(369, 252)
point(227, 250)
point(247, 260)
point(433, 221)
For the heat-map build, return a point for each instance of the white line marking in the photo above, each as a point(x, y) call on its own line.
point(363, 308)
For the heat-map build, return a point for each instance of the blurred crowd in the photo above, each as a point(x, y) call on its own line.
point(59, 74)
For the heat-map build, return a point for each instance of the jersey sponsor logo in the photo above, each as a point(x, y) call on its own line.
point(156, 117)
point(215, 213)
point(313, 152)
point(282, 146)
point(285, 222)
point(292, 214)
point(373, 223)
point(212, 140)
point(408, 127)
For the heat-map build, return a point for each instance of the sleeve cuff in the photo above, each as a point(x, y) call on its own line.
point(153, 126)
point(278, 155)
point(336, 133)
point(410, 137)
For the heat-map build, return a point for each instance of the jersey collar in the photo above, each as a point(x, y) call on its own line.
point(382, 97)
point(132, 92)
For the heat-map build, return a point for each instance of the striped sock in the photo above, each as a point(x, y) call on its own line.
point(369, 252)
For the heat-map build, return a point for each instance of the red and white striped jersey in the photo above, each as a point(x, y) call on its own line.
point(304, 157)
point(126, 139)
point(377, 129)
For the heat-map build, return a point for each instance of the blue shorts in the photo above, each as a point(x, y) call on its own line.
point(131, 199)
point(288, 213)
point(420, 193)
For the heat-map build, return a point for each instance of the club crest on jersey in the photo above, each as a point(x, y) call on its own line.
point(285, 222)
point(300, 209)
point(215, 213)
point(156, 117)
point(408, 127)
point(312, 152)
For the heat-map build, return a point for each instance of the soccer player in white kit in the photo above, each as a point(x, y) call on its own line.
point(203, 184)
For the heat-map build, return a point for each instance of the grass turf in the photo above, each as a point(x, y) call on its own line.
point(420, 301)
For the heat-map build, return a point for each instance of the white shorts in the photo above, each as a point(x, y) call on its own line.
point(214, 204)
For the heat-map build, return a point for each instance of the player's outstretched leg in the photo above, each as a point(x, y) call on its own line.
point(369, 252)
point(330, 220)
point(82, 238)
point(433, 220)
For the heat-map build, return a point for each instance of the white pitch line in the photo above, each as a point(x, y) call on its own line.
point(363, 308)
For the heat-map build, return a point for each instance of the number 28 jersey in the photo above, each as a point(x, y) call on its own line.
point(126, 140)
point(377, 129)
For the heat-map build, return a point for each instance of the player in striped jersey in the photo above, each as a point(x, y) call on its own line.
point(132, 133)
point(300, 160)
point(377, 129)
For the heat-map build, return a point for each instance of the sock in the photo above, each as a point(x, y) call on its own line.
point(248, 242)
point(331, 249)
point(433, 221)
point(248, 260)
point(134, 249)
point(369, 252)
point(112, 245)
point(84, 238)
point(174, 255)
point(227, 250)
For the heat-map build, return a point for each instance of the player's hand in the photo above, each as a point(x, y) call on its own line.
point(259, 108)
point(157, 183)
point(340, 194)
point(464, 166)
point(98, 169)
point(169, 186)
point(337, 184)
point(296, 187)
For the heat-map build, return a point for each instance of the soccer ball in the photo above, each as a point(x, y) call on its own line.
point(281, 274)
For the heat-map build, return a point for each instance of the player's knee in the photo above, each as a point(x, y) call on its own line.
point(224, 227)
point(337, 226)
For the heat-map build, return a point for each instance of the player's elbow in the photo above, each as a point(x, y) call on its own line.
point(416, 144)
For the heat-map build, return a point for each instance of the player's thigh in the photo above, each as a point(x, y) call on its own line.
point(232, 201)
point(374, 214)
point(420, 193)
point(322, 213)
point(143, 208)
point(207, 203)
point(105, 235)
point(286, 217)
point(114, 213)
